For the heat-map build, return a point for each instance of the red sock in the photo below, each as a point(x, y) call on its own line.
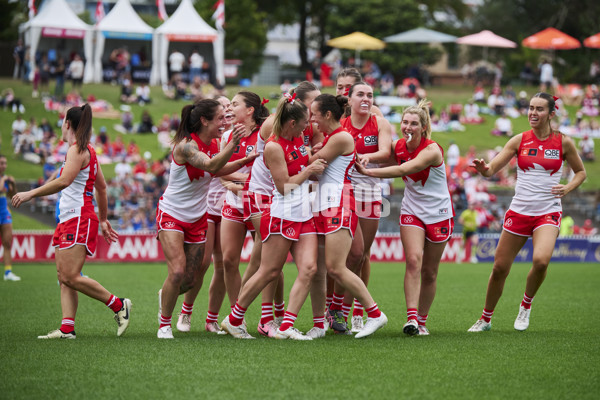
point(267, 313)
point(288, 321)
point(328, 301)
point(237, 315)
point(526, 303)
point(280, 309)
point(164, 321)
point(411, 313)
point(212, 317)
point(487, 315)
point(67, 325)
point(336, 304)
point(114, 303)
point(319, 322)
point(346, 310)
point(187, 308)
point(422, 319)
point(373, 311)
point(358, 309)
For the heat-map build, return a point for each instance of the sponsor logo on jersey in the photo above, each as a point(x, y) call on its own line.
point(306, 140)
point(440, 230)
point(552, 154)
point(408, 220)
point(371, 140)
point(443, 211)
point(553, 218)
point(290, 232)
point(303, 151)
point(529, 152)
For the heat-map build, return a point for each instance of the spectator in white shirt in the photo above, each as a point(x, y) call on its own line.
point(176, 62)
point(196, 61)
point(143, 94)
point(503, 126)
point(452, 156)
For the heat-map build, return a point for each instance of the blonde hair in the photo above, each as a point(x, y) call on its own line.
point(422, 110)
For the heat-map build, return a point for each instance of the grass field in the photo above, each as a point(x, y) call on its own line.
point(556, 358)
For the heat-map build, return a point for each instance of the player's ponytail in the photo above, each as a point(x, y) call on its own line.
point(191, 118)
point(80, 119)
point(289, 108)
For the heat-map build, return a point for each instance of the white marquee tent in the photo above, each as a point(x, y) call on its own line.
point(123, 24)
point(184, 31)
point(54, 23)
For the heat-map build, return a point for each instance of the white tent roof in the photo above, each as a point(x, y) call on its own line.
point(186, 25)
point(56, 14)
point(123, 19)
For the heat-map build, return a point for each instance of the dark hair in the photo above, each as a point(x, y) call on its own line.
point(348, 109)
point(81, 123)
point(191, 118)
point(303, 89)
point(288, 110)
point(353, 72)
point(329, 102)
point(551, 104)
point(253, 100)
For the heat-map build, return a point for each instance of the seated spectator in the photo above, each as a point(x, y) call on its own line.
point(523, 103)
point(46, 127)
point(285, 86)
point(527, 74)
point(175, 121)
point(122, 169)
point(472, 114)
point(143, 94)
point(503, 126)
point(479, 93)
point(35, 129)
point(127, 95)
point(196, 88)
point(103, 145)
point(586, 148)
point(146, 125)
point(387, 84)
point(9, 100)
point(588, 228)
point(19, 126)
point(118, 148)
point(165, 124)
point(133, 151)
point(589, 108)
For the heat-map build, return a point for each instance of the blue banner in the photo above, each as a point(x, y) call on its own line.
point(566, 249)
point(127, 35)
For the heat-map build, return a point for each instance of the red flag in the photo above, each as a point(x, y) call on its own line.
point(99, 11)
point(32, 9)
point(219, 14)
point(162, 12)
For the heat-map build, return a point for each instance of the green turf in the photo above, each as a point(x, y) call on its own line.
point(557, 357)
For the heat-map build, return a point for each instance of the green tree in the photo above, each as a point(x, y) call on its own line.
point(245, 32)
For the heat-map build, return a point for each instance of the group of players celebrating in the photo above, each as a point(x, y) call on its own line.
point(305, 181)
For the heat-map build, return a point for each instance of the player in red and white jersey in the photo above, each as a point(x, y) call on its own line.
point(181, 219)
point(334, 209)
point(287, 225)
point(76, 233)
point(373, 137)
point(250, 111)
point(344, 81)
point(536, 208)
point(426, 216)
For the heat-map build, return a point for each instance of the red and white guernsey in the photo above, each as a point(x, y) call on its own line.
point(243, 149)
point(366, 139)
point(294, 206)
point(76, 199)
point(426, 194)
point(307, 136)
point(260, 176)
point(186, 194)
point(539, 165)
point(216, 191)
point(335, 186)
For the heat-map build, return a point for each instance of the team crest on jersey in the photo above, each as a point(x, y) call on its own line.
point(249, 149)
point(440, 230)
point(293, 156)
point(529, 152)
point(508, 223)
point(227, 212)
point(371, 140)
point(552, 154)
point(169, 225)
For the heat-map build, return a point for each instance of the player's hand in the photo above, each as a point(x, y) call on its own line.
point(252, 156)
point(317, 147)
point(317, 167)
point(480, 166)
point(360, 168)
point(363, 159)
point(239, 132)
point(109, 234)
point(559, 191)
point(20, 198)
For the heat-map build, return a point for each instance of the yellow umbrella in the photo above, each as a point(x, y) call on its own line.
point(357, 41)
